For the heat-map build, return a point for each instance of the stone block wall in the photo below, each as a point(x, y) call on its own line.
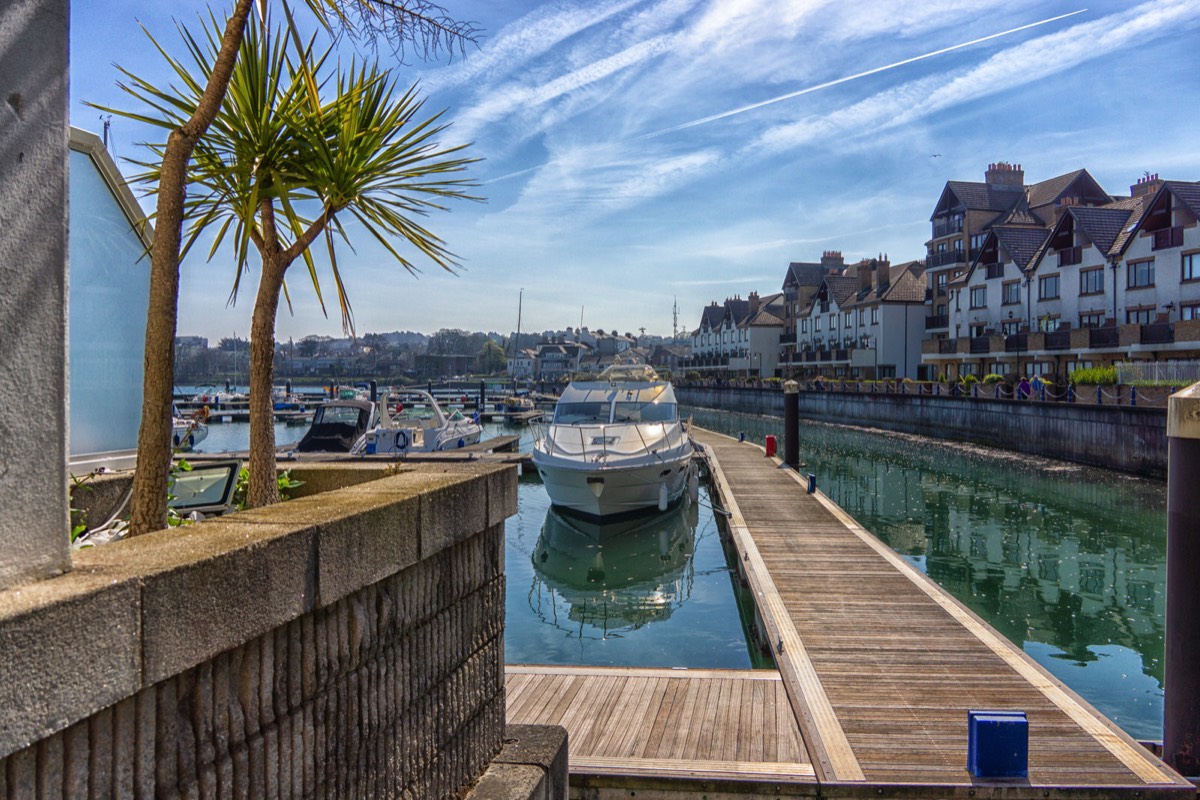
point(348, 644)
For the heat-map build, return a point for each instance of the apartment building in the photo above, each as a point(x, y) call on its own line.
point(738, 337)
point(1097, 284)
point(800, 283)
point(866, 321)
point(967, 210)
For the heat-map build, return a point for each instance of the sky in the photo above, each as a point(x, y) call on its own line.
point(643, 153)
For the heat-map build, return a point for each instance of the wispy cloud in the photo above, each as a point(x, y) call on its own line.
point(854, 77)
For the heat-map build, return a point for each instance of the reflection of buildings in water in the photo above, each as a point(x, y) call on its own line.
point(614, 576)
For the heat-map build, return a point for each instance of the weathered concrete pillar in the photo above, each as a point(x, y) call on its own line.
point(33, 304)
point(1181, 706)
point(791, 424)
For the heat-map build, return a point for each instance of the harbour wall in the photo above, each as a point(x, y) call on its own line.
point(1128, 439)
point(345, 644)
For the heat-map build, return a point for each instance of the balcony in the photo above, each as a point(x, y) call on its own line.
point(824, 307)
point(1070, 256)
point(995, 271)
point(841, 354)
point(937, 321)
point(788, 338)
point(980, 344)
point(1168, 237)
point(947, 346)
point(1016, 342)
point(810, 355)
point(1158, 333)
point(947, 227)
point(947, 257)
point(1104, 337)
point(1058, 340)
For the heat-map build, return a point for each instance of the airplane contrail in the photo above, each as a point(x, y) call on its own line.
point(848, 78)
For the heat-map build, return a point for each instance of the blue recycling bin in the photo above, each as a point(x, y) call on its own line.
point(997, 744)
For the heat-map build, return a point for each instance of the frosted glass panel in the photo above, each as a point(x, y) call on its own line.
point(107, 298)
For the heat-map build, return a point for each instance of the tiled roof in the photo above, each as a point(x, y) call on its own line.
point(806, 273)
point(983, 196)
point(712, 316)
point(737, 309)
point(1047, 191)
point(1102, 225)
point(908, 286)
point(1022, 244)
point(763, 318)
point(841, 288)
point(1186, 192)
point(1018, 215)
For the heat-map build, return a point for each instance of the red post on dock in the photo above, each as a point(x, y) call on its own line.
point(1181, 692)
point(770, 441)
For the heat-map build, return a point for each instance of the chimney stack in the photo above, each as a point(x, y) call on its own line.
point(832, 258)
point(1149, 184)
point(1003, 173)
point(754, 303)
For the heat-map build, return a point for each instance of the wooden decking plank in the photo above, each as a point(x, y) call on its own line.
point(884, 660)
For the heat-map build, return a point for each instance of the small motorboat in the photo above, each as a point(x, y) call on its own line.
point(188, 431)
point(339, 426)
point(616, 445)
point(427, 429)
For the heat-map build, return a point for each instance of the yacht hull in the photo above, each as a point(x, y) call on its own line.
point(613, 490)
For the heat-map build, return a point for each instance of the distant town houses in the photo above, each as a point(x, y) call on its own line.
point(1017, 279)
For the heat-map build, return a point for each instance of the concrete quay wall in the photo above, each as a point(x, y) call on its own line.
point(1120, 438)
point(346, 644)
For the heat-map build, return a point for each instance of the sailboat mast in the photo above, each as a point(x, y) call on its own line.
point(517, 338)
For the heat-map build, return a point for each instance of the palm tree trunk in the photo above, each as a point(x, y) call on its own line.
point(149, 493)
point(264, 488)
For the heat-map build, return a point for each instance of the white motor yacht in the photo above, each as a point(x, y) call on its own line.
point(616, 445)
point(424, 430)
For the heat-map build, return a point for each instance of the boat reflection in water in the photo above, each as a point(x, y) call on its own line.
point(615, 576)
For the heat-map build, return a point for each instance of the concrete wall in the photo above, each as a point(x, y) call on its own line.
point(33, 259)
point(1125, 439)
point(346, 644)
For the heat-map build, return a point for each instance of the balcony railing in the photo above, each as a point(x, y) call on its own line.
point(810, 355)
point(1158, 333)
point(1016, 342)
point(1069, 256)
point(841, 354)
point(946, 227)
point(787, 338)
point(1104, 337)
point(995, 271)
point(947, 346)
point(937, 321)
point(947, 257)
point(980, 344)
point(1168, 237)
point(1058, 340)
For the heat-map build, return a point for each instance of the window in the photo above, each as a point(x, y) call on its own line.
point(1091, 281)
point(645, 412)
point(1011, 292)
point(1048, 323)
point(977, 240)
point(1138, 316)
point(1094, 319)
point(862, 316)
point(966, 369)
point(1074, 365)
point(1141, 273)
point(874, 315)
point(1191, 266)
point(1190, 311)
point(849, 316)
point(978, 297)
point(979, 329)
point(833, 322)
point(804, 326)
point(816, 324)
point(1011, 328)
point(1048, 287)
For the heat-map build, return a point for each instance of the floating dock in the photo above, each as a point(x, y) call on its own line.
point(878, 664)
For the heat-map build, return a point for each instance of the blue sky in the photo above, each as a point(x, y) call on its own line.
point(638, 151)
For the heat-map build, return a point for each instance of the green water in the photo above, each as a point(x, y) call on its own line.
point(1068, 562)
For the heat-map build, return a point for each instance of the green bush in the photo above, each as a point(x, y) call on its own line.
point(969, 380)
point(1094, 376)
point(992, 377)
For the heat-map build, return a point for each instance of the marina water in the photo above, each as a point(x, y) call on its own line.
point(1067, 562)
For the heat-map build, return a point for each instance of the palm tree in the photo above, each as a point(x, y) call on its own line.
point(420, 26)
point(297, 148)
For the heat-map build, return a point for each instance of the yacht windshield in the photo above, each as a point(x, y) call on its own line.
point(577, 413)
point(645, 412)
